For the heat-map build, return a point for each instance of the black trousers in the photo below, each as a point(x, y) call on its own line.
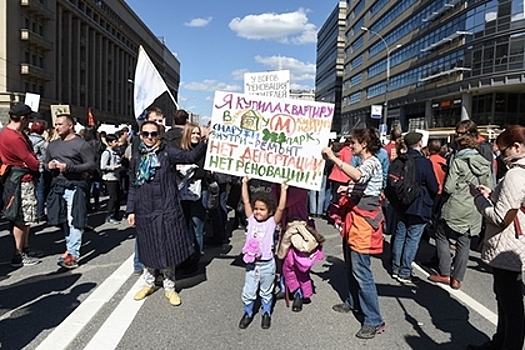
point(510, 331)
point(113, 188)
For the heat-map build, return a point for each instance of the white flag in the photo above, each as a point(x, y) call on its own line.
point(148, 83)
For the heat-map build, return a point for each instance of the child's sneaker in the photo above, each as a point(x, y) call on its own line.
point(69, 262)
point(369, 332)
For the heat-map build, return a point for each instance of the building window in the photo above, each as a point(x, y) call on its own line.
point(355, 98)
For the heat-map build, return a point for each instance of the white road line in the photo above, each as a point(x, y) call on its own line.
point(68, 330)
point(464, 298)
point(112, 331)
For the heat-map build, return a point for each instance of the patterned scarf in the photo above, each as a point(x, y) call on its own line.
point(149, 163)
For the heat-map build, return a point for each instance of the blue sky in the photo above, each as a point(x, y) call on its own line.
point(218, 41)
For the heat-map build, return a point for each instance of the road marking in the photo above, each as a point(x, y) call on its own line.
point(463, 297)
point(112, 331)
point(69, 329)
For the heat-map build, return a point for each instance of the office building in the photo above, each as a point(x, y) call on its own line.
point(81, 53)
point(434, 62)
point(330, 62)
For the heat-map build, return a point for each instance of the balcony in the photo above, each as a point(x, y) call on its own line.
point(445, 73)
point(445, 8)
point(37, 9)
point(35, 72)
point(446, 40)
point(35, 40)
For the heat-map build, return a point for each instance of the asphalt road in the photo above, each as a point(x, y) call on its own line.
point(92, 307)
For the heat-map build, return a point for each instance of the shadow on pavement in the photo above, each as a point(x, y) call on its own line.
point(34, 311)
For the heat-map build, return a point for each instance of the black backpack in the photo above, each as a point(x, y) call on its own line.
point(402, 187)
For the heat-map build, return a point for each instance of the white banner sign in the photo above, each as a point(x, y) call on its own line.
point(270, 139)
point(377, 112)
point(270, 84)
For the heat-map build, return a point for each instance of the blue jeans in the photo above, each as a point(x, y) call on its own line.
point(137, 265)
point(317, 203)
point(406, 243)
point(73, 234)
point(42, 188)
point(362, 290)
point(259, 275)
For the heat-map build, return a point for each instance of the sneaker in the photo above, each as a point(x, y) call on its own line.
point(112, 220)
point(342, 308)
point(144, 292)
point(138, 272)
point(173, 297)
point(408, 281)
point(369, 332)
point(69, 262)
point(33, 253)
point(24, 260)
point(395, 275)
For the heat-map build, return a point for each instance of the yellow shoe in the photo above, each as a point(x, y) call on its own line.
point(173, 297)
point(144, 292)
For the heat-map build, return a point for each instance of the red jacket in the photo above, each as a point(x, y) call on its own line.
point(16, 150)
point(362, 229)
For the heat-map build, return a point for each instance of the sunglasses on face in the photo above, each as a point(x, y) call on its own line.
point(148, 134)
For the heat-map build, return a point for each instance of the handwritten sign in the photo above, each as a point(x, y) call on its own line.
point(270, 84)
point(271, 139)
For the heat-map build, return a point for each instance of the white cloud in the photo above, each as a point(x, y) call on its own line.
point(238, 74)
point(291, 27)
point(198, 22)
point(210, 85)
point(299, 71)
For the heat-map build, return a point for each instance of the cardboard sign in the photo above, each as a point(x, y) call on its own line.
point(270, 139)
point(58, 109)
point(274, 84)
point(33, 101)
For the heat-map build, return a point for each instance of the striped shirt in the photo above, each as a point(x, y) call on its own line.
point(371, 180)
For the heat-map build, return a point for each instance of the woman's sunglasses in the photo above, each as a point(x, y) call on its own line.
point(148, 134)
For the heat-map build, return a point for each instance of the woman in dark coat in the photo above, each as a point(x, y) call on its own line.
point(155, 211)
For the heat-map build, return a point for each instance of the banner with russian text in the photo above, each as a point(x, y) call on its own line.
point(270, 139)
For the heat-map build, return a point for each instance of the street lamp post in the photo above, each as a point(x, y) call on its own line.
point(387, 83)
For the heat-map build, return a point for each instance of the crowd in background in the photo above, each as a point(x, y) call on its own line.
point(461, 184)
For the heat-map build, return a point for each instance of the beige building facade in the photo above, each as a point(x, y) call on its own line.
point(80, 53)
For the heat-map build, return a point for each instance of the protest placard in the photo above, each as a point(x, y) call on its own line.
point(270, 139)
point(270, 84)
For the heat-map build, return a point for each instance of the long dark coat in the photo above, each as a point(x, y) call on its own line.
point(162, 234)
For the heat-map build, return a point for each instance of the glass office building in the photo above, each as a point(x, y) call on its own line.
point(434, 62)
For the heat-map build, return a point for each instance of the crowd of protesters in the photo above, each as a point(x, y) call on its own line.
point(467, 188)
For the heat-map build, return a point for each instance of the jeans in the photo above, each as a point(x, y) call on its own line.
point(137, 265)
point(42, 188)
point(362, 290)
point(406, 243)
point(510, 330)
point(259, 275)
point(195, 215)
point(73, 234)
point(317, 203)
point(443, 253)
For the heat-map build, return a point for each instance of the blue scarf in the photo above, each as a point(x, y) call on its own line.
point(149, 163)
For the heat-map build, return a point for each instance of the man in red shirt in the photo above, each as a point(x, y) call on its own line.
point(16, 150)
